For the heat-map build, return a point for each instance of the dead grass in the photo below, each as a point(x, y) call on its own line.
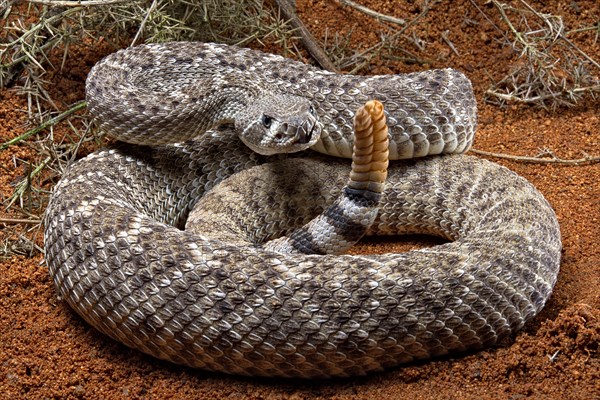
point(32, 30)
point(552, 71)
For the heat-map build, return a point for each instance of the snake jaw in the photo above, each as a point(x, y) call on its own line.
point(302, 137)
point(285, 137)
point(289, 125)
point(306, 136)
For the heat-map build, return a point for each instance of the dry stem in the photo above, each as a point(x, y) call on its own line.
point(539, 160)
point(372, 13)
point(551, 71)
point(83, 3)
point(307, 38)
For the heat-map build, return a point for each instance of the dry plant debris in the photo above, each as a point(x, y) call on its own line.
point(552, 71)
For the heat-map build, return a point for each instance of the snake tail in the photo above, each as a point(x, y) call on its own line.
point(349, 218)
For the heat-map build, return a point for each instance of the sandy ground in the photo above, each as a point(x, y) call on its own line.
point(46, 351)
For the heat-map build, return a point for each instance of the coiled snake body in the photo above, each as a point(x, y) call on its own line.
point(118, 256)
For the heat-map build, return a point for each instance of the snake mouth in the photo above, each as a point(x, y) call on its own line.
point(304, 137)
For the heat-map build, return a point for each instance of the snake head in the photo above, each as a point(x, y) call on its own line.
point(279, 124)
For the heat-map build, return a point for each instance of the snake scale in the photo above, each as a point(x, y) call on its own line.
point(191, 113)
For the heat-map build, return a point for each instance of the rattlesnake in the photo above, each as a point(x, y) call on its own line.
point(118, 256)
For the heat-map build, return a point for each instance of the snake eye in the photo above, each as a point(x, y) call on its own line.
point(266, 120)
point(312, 111)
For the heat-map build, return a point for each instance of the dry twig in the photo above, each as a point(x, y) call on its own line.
point(307, 38)
point(373, 13)
point(449, 43)
point(553, 159)
point(52, 121)
point(18, 221)
point(82, 3)
point(551, 71)
point(387, 41)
